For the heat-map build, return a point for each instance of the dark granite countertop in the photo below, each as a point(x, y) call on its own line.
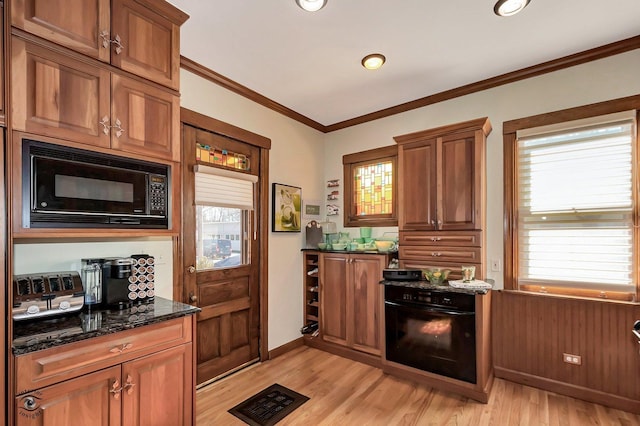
point(425, 285)
point(36, 335)
point(372, 251)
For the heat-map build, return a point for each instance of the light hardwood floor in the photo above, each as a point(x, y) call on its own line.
point(344, 392)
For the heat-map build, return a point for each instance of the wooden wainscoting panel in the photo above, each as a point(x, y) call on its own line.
point(532, 332)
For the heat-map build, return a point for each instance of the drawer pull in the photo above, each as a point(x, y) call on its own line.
point(115, 389)
point(434, 254)
point(120, 349)
point(435, 239)
point(129, 386)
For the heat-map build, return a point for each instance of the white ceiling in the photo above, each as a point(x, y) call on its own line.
point(310, 62)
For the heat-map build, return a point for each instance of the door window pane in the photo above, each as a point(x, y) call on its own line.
point(214, 247)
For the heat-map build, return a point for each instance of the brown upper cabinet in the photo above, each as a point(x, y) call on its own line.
point(65, 96)
point(441, 180)
point(138, 36)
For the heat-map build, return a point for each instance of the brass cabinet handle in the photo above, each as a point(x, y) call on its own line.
point(105, 125)
point(104, 35)
point(191, 269)
point(118, 43)
point(193, 297)
point(118, 127)
point(106, 41)
point(115, 389)
point(129, 385)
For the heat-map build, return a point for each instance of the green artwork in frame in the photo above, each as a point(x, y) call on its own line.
point(286, 208)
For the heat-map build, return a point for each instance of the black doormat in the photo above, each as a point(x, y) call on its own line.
point(268, 407)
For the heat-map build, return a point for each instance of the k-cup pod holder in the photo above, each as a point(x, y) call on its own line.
point(142, 278)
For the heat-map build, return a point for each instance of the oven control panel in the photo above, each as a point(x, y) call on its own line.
point(444, 299)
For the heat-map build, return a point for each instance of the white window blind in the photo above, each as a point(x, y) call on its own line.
point(575, 207)
point(223, 188)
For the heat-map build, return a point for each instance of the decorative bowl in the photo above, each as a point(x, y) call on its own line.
point(436, 276)
point(338, 246)
point(322, 246)
point(385, 246)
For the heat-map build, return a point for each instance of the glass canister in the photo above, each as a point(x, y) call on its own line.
point(92, 280)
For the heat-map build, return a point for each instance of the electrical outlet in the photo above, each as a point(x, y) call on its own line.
point(572, 359)
point(495, 265)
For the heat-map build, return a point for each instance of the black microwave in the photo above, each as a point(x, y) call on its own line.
point(65, 187)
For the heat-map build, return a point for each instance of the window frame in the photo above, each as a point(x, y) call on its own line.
point(372, 156)
point(510, 141)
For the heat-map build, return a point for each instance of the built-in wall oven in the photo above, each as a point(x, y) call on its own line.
point(431, 330)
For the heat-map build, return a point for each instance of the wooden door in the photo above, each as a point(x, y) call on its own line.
point(156, 389)
point(86, 401)
point(55, 95)
point(144, 119)
point(334, 269)
point(228, 328)
point(458, 207)
point(417, 188)
point(76, 24)
point(150, 42)
point(365, 305)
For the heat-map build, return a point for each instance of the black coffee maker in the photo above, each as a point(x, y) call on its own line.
point(115, 288)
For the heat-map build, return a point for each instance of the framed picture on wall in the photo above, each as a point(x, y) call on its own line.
point(286, 208)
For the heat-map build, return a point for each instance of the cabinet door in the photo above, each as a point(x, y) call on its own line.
point(55, 95)
point(460, 203)
point(76, 24)
point(366, 273)
point(85, 401)
point(146, 119)
point(333, 297)
point(158, 388)
point(150, 43)
point(417, 186)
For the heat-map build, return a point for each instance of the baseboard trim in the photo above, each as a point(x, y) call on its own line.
point(287, 347)
point(574, 391)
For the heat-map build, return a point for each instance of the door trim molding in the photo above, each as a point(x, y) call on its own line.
point(210, 124)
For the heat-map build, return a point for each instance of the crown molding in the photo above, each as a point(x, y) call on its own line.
point(600, 52)
point(208, 74)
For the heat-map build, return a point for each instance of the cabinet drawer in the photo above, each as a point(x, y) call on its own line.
point(443, 254)
point(43, 368)
point(455, 268)
point(438, 238)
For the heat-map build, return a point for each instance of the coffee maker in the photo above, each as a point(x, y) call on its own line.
point(116, 274)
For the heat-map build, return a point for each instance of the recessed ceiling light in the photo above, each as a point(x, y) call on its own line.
point(509, 7)
point(373, 61)
point(311, 5)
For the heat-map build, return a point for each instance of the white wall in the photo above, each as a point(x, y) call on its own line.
point(301, 156)
point(601, 80)
point(296, 159)
point(34, 257)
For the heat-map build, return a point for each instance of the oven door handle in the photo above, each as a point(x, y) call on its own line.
point(415, 308)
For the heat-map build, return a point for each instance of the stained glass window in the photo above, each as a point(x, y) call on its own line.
point(373, 188)
point(370, 187)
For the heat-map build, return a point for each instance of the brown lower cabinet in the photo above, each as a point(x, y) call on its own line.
point(142, 376)
point(351, 300)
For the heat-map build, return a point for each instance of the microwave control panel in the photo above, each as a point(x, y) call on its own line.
point(157, 195)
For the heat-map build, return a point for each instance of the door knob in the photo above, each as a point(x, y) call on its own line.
point(191, 269)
